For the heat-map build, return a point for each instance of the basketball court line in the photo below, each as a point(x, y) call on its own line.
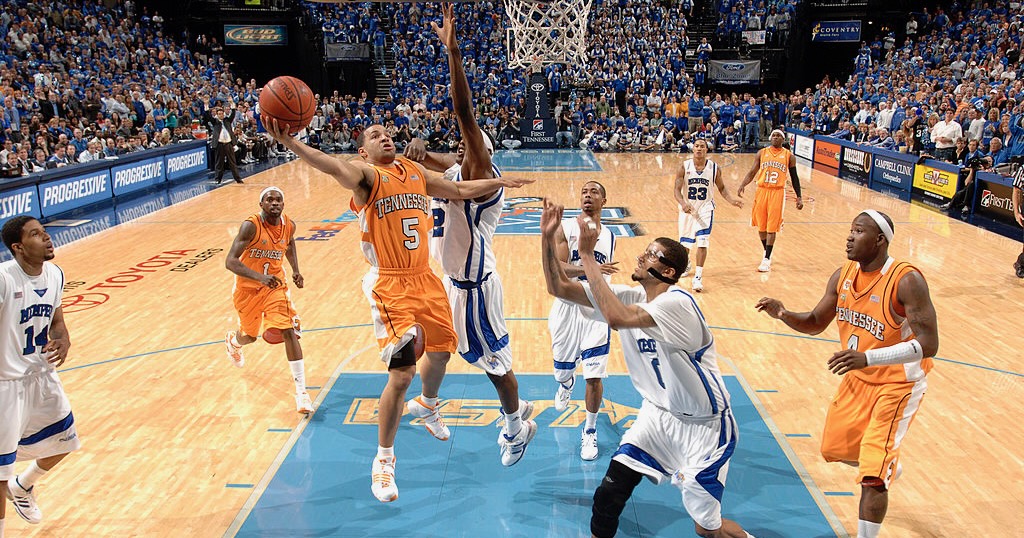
point(296, 433)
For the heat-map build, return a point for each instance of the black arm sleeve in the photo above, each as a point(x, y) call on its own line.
point(796, 180)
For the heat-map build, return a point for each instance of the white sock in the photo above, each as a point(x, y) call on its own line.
point(298, 375)
point(591, 421)
point(28, 478)
point(868, 529)
point(513, 423)
point(388, 452)
point(698, 271)
point(234, 340)
point(429, 402)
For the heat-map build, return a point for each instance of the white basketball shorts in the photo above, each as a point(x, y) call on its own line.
point(576, 338)
point(35, 420)
point(479, 318)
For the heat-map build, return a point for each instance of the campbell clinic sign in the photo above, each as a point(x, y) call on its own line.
point(255, 34)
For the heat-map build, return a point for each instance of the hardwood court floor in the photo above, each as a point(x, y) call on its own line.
point(169, 426)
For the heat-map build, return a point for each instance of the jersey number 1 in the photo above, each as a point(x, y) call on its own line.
point(32, 340)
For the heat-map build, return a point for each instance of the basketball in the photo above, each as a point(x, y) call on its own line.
point(289, 101)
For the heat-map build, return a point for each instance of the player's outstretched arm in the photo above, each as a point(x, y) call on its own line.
point(470, 189)
point(812, 322)
point(436, 162)
point(750, 173)
point(721, 188)
point(558, 283)
point(618, 314)
point(349, 175)
point(246, 233)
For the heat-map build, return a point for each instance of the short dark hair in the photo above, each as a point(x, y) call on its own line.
point(13, 230)
point(676, 255)
point(604, 193)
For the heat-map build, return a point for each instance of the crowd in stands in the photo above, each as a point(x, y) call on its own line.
point(775, 17)
point(952, 90)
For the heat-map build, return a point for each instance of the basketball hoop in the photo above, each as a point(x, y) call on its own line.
point(544, 32)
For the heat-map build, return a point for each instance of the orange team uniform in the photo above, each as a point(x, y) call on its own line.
point(256, 303)
point(771, 190)
point(396, 223)
point(874, 406)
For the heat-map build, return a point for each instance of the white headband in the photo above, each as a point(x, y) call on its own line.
point(880, 221)
point(782, 134)
point(270, 189)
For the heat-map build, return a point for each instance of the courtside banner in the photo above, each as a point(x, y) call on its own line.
point(23, 201)
point(994, 197)
point(892, 172)
point(804, 147)
point(735, 72)
point(73, 192)
point(855, 165)
point(935, 182)
point(185, 163)
point(255, 34)
point(137, 175)
point(826, 153)
point(835, 31)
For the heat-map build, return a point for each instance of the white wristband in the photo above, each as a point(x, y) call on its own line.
point(900, 353)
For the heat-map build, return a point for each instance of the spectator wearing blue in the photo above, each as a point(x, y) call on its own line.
point(695, 114)
point(884, 140)
point(751, 124)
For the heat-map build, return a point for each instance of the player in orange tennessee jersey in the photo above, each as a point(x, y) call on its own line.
point(408, 302)
point(261, 292)
point(773, 165)
point(889, 334)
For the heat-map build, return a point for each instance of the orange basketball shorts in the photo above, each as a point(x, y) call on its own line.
point(866, 423)
point(767, 212)
point(402, 298)
point(271, 308)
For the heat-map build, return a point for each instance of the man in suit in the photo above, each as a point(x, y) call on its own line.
point(223, 141)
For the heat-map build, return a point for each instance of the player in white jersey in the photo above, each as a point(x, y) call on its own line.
point(697, 205)
point(575, 338)
point(35, 415)
point(461, 242)
point(684, 432)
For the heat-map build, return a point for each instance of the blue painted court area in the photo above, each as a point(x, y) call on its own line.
point(458, 488)
point(547, 160)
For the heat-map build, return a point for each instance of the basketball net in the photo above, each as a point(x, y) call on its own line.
point(545, 32)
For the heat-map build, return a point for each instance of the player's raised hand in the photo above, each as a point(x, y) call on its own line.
point(514, 182)
point(446, 32)
point(416, 150)
point(277, 131)
point(588, 234)
point(609, 268)
point(772, 307)
point(551, 218)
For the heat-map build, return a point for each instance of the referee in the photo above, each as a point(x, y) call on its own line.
point(1018, 197)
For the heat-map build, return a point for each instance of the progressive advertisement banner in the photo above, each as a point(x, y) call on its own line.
point(185, 163)
point(137, 175)
point(855, 165)
point(892, 172)
point(73, 192)
point(735, 72)
point(935, 183)
point(23, 201)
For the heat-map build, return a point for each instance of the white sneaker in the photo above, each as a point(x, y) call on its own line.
point(24, 502)
point(382, 476)
point(525, 412)
point(766, 265)
point(234, 352)
point(303, 404)
point(562, 396)
point(513, 450)
point(588, 445)
point(689, 269)
point(431, 418)
point(698, 284)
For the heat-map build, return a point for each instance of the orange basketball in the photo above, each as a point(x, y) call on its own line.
point(289, 101)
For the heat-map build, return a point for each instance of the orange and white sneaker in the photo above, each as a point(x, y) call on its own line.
point(431, 418)
point(382, 477)
point(303, 404)
point(234, 352)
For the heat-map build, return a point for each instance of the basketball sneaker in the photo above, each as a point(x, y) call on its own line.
point(588, 445)
point(563, 395)
point(766, 265)
point(1018, 268)
point(513, 450)
point(698, 284)
point(431, 418)
point(24, 502)
point(382, 476)
point(234, 352)
point(525, 412)
point(303, 404)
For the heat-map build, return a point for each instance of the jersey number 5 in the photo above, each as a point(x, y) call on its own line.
point(410, 231)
